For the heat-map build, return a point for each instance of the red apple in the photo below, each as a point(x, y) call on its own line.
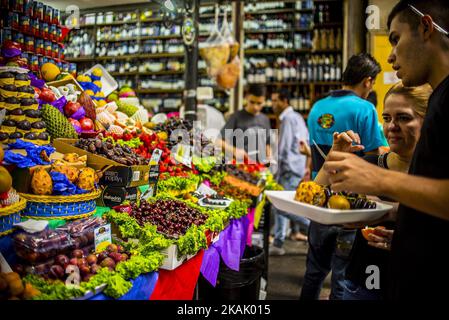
point(47, 95)
point(62, 260)
point(91, 259)
point(73, 262)
point(71, 107)
point(86, 124)
point(77, 253)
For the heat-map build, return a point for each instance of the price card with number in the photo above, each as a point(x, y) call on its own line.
point(154, 175)
point(103, 237)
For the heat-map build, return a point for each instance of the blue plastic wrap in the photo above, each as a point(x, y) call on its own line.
point(33, 157)
point(90, 86)
point(62, 185)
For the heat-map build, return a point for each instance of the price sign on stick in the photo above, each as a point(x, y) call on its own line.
point(154, 175)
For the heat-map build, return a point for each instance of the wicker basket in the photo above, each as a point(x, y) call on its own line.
point(60, 207)
point(10, 215)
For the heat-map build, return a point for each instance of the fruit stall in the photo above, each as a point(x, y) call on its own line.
point(100, 199)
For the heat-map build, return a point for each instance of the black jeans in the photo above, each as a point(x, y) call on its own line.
point(329, 249)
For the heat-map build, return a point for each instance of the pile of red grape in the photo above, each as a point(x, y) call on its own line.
point(171, 217)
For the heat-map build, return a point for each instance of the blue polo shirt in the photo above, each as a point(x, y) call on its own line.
point(341, 111)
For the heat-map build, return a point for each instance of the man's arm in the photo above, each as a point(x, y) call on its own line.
point(351, 173)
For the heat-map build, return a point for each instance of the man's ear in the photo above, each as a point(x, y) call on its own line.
point(427, 27)
point(367, 82)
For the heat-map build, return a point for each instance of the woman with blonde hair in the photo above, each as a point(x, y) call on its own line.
point(403, 116)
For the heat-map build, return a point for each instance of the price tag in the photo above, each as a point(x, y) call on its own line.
point(153, 175)
point(102, 237)
point(183, 154)
point(205, 190)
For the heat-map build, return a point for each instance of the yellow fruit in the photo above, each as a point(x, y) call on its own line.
point(71, 157)
point(50, 71)
point(89, 92)
point(83, 78)
point(5, 180)
point(97, 72)
point(70, 172)
point(311, 193)
point(16, 287)
point(101, 103)
point(162, 135)
point(338, 202)
point(87, 179)
point(100, 94)
point(2, 154)
point(41, 183)
point(30, 292)
point(98, 83)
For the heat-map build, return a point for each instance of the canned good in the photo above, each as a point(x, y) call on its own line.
point(58, 34)
point(39, 46)
point(26, 56)
point(56, 16)
point(72, 69)
point(29, 43)
point(55, 51)
point(13, 20)
point(28, 7)
point(25, 24)
point(35, 28)
point(38, 10)
point(48, 14)
point(65, 67)
point(47, 47)
point(34, 63)
point(19, 38)
point(59, 64)
point(41, 59)
point(7, 34)
point(44, 29)
point(52, 35)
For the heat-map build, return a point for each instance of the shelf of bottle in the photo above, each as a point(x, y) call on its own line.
point(326, 51)
point(328, 25)
point(276, 51)
point(155, 73)
point(113, 23)
point(143, 90)
point(80, 59)
point(142, 56)
point(300, 83)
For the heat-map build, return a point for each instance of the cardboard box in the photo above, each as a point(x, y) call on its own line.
point(22, 176)
point(114, 196)
point(172, 261)
point(114, 174)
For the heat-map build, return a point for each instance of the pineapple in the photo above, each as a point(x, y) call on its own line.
point(87, 179)
point(70, 172)
point(311, 193)
point(41, 183)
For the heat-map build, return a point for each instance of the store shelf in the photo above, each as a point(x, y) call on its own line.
point(328, 25)
point(276, 51)
point(80, 59)
point(161, 55)
point(143, 91)
point(124, 57)
point(327, 83)
point(269, 31)
point(172, 36)
point(119, 40)
point(303, 29)
point(116, 23)
point(156, 73)
point(326, 51)
point(270, 11)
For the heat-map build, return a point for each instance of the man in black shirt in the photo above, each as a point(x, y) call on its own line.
point(419, 264)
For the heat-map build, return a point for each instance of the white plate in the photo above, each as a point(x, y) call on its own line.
point(107, 81)
point(284, 201)
point(227, 201)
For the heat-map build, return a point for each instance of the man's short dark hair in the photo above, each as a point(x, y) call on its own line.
point(359, 67)
point(257, 90)
point(437, 9)
point(283, 94)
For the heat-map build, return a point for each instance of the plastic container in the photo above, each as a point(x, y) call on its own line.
point(108, 82)
point(82, 231)
point(232, 285)
point(36, 247)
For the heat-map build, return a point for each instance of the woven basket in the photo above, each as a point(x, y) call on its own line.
point(60, 207)
point(11, 215)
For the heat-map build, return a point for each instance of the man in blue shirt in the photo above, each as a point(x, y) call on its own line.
point(291, 163)
point(342, 110)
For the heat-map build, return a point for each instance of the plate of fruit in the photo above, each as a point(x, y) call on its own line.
point(320, 204)
point(214, 201)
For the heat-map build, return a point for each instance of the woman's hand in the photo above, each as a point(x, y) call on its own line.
point(381, 238)
point(343, 142)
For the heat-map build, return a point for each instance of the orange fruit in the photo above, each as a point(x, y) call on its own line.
point(368, 230)
point(50, 71)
